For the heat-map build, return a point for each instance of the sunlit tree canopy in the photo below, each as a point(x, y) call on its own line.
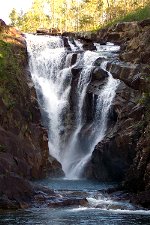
point(72, 15)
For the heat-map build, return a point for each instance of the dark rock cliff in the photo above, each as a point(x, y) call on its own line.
point(124, 153)
point(24, 151)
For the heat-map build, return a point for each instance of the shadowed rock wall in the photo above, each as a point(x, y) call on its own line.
point(24, 150)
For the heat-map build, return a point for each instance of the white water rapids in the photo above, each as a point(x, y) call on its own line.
point(51, 69)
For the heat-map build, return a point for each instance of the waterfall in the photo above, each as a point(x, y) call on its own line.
point(51, 69)
point(75, 45)
point(99, 127)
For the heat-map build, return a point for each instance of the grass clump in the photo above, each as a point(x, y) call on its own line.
point(12, 57)
point(8, 63)
point(8, 72)
point(137, 15)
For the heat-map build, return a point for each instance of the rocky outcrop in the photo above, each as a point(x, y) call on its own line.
point(51, 31)
point(24, 153)
point(114, 155)
point(138, 176)
point(134, 38)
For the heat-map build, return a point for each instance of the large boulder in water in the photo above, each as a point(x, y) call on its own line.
point(65, 202)
point(15, 192)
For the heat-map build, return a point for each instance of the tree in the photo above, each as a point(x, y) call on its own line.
point(72, 15)
point(14, 17)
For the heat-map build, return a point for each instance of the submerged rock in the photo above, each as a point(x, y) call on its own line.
point(68, 202)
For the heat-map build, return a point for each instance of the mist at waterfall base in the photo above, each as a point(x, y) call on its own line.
point(102, 210)
point(51, 67)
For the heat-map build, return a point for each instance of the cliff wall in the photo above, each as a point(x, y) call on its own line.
point(24, 153)
point(124, 153)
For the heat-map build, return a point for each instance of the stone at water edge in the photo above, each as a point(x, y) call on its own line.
point(99, 74)
point(15, 192)
point(68, 202)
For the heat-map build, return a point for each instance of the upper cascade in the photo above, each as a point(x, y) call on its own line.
point(61, 78)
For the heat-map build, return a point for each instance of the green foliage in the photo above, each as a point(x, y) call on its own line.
point(13, 17)
point(137, 15)
point(11, 58)
point(9, 64)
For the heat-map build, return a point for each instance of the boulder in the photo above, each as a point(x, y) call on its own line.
point(15, 192)
point(99, 74)
point(42, 31)
point(144, 23)
point(68, 202)
point(2, 23)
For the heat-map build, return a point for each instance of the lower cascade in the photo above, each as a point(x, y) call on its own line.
point(61, 79)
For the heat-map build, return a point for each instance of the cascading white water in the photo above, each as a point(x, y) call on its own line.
point(99, 127)
point(77, 45)
point(107, 47)
point(47, 58)
point(51, 68)
point(74, 152)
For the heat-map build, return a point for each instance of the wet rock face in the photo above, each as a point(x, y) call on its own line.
point(113, 156)
point(121, 148)
point(66, 43)
point(135, 76)
point(137, 178)
point(88, 44)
